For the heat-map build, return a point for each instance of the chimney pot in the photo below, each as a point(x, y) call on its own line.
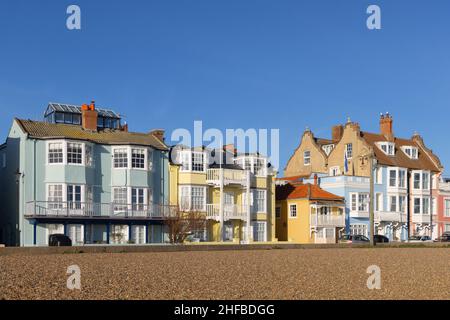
point(315, 179)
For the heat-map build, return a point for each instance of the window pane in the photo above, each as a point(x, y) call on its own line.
point(138, 158)
point(120, 158)
point(55, 153)
point(74, 153)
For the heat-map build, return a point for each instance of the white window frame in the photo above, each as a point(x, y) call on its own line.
point(307, 158)
point(387, 147)
point(411, 152)
point(62, 142)
point(186, 160)
point(378, 175)
point(139, 151)
point(446, 207)
point(187, 191)
point(129, 153)
point(421, 174)
point(293, 206)
point(355, 203)
point(256, 197)
point(349, 146)
point(378, 201)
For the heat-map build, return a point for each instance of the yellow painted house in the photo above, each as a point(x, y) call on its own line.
point(233, 190)
point(305, 213)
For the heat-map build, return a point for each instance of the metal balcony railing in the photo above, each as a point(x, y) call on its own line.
point(51, 209)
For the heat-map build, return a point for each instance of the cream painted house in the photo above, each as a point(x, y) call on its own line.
point(236, 192)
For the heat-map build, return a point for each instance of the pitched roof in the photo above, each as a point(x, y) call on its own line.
point(44, 130)
point(322, 141)
point(304, 191)
point(400, 159)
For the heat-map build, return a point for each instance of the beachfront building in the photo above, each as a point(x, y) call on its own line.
point(443, 206)
point(234, 191)
point(81, 173)
point(404, 171)
point(306, 213)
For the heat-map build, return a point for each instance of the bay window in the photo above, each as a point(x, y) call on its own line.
point(138, 158)
point(120, 156)
point(392, 178)
point(120, 198)
point(74, 153)
point(193, 198)
point(260, 196)
point(55, 152)
point(193, 161)
point(55, 196)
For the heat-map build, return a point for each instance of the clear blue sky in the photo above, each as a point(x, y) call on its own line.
point(233, 63)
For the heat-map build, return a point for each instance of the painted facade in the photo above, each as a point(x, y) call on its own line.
point(233, 192)
point(96, 184)
point(443, 207)
point(404, 172)
point(305, 213)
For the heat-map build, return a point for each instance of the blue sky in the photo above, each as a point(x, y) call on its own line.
point(233, 64)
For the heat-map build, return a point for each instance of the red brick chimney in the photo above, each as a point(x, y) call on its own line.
point(158, 133)
point(315, 179)
point(337, 132)
point(386, 125)
point(89, 117)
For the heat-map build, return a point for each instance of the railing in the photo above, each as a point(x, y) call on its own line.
point(327, 220)
point(390, 216)
point(230, 211)
point(230, 176)
point(98, 210)
point(421, 218)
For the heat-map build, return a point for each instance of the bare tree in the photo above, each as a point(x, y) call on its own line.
point(181, 224)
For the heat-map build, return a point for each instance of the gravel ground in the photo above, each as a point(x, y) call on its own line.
point(406, 273)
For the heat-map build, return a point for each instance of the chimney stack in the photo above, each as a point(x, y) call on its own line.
point(230, 148)
point(337, 132)
point(158, 133)
point(89, 117)
point(386, 125)
point(315, 179)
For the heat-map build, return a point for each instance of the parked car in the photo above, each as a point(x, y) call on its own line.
point(419, 239)
point(378, 238)
point(59, 240)
point(359, 238)
point(443, 238)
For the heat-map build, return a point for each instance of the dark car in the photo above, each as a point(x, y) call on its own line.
point(359, 238)
point(443, 238)
point(378, 238)
point(59, 240)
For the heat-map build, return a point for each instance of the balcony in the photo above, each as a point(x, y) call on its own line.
point(390, 216)
point(230, 211)
point(359, 214)
point(230, 177)
point(80, 210)
point(327, 220)
point(421, 218)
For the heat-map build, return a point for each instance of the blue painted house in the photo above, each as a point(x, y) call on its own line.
point(81, 173)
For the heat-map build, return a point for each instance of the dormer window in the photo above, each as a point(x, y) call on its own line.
point(411, 152)
point(387, 147)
